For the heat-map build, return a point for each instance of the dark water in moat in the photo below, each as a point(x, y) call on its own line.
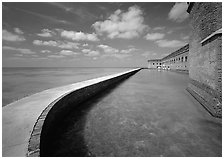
point(20, 82)
point(149, 114)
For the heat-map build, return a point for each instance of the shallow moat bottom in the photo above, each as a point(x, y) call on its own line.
point(149, 114)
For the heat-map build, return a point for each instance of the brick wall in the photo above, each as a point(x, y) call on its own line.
point(205, 63)
point(154, 63)
point(206, 17)
point(177, 60)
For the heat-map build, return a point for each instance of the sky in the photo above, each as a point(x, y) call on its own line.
point(91, 34)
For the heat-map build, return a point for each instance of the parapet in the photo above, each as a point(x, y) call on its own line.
point(27, 122)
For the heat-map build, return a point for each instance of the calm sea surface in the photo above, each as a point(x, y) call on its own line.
point(21, 82)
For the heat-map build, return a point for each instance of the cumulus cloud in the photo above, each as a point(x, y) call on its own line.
point(21, 50)
point(170, 43)
point(86, 50)
point(120, 24)
point(84, 45)
point(67, 52)
point(113, 52)
point(93, 53)
point(46, 33)
point(127, 51)
point(45, 51)
point(60, 44)
point(154, 36)
point(48, 43)
point(79, 36)
point(89, 52)
point(18, 31)
point(8, 36)
point(68, 45)
point(178, 12)
point(108, 49)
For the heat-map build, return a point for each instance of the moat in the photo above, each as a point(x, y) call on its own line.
point(149, 114)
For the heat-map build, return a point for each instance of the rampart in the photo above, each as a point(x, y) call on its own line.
point(205, 55)
point(154, 63)
point(177, 60)
point(202, 57)
point(27, 124)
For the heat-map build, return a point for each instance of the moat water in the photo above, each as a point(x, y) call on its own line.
point(149, 114)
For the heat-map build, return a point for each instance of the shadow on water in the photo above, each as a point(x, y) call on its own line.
point(68, 139)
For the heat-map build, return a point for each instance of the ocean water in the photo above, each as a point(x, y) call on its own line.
point(21, 82)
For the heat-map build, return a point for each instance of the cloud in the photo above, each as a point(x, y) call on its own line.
point(8, 36)
point(79, 11)
point(86, 50)
point(21, 50)
point(85, 45)
point(154, 36)
point(113, 52)
point(119, 56)
point(170, 32)
point(89, 52)
point(18, 31)
point(45, 51)
point(61, 6)
point(185, 37)
point(55, 56)
point(93, 53)
point(47, 43)
point(68, 45)
point(178, 12)
point(60, 44)
point(120, 24)
point(159, 28)
point(108, 49)
point(47, 18)
point(170, 43)
point(46, 33)
point(79, 36)
point(127, 51)
point(67, 52)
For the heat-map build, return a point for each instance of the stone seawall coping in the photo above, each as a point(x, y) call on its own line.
point(22, 120)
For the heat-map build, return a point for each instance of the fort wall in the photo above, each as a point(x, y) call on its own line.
point(205, 55)
point(202, 57)
point(155, 63)
point(177, 60)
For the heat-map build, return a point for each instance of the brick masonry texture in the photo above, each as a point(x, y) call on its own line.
point(204, 95)
point(206, 18)
point(205, 59)
point(176, 61)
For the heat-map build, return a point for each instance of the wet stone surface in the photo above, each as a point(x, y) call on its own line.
point(149, 114)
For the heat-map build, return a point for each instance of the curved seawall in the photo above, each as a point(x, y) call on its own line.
point(27, 123)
